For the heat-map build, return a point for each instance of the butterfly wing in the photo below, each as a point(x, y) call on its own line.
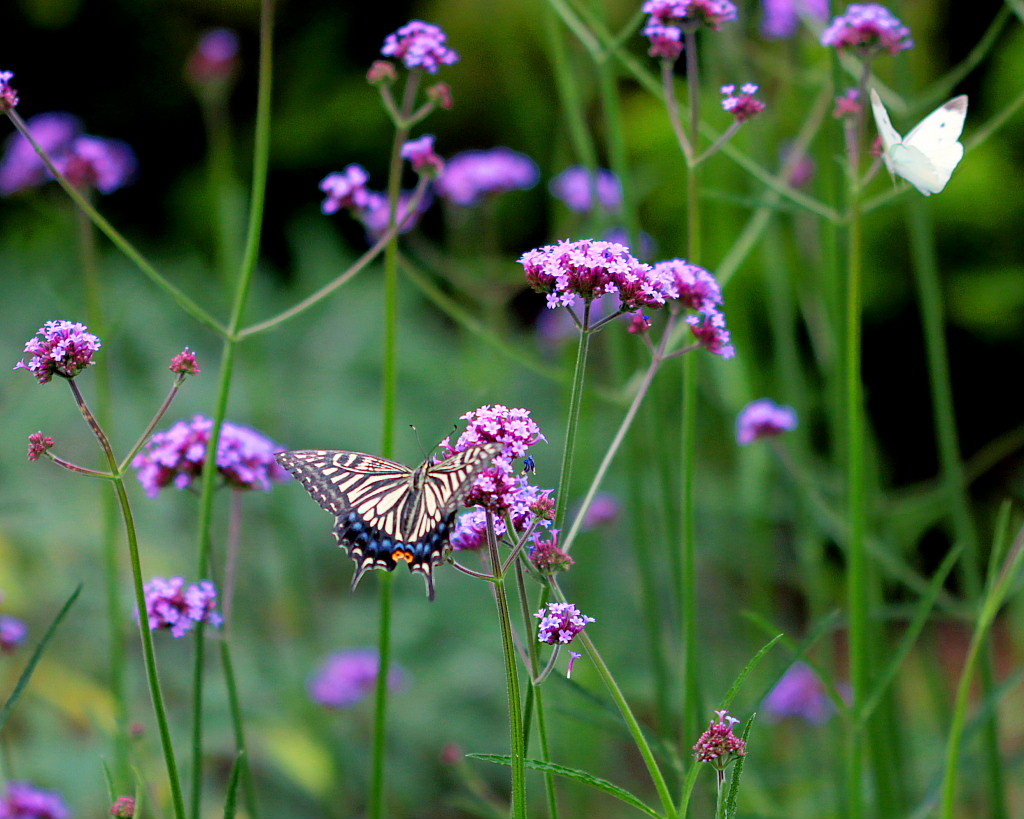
point(890, 136)
point(385, 512)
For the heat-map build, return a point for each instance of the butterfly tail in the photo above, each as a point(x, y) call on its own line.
point(361, 568)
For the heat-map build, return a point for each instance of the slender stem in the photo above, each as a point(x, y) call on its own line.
point(692, 80)
point(693, 708)
point(635, 731)
point(672, 105)
point(141, 442)
point(515, 713)
point(148, 653)
point(573, 416)
point(92, 473)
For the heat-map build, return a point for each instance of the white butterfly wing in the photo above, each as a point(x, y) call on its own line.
point(890, 136)
point(917, 168)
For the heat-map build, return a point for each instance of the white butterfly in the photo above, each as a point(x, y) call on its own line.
point(927, 156)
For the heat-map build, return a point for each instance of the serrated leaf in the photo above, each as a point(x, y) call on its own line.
point(573, 773)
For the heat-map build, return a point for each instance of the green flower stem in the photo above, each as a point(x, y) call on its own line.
point(627, 714)
point(122, 244)
point(261, 159)
point(148, 653)
point(141, 442)
point(668, 84)
point(569, 96)
point(389, 409)
point(687, 602)
point(515, 711)
point(220, 179)
point(573, 417)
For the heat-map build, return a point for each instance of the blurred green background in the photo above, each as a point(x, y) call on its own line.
point(315, 382)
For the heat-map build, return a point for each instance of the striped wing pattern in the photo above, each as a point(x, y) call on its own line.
point(384, 511)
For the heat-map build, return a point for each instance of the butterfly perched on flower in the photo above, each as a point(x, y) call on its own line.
point(384, 511)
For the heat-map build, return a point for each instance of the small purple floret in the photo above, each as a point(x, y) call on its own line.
point(65, 349)
point(12, 633)
point(560, 623)
point(868, 28)
point(763, 419)
point(800, 693)
point(172, 605)
point(782, 17)
point(347, 677)
point(420, 45)
point(346, 189)
point(245, 458)
point(695, 287)
point(577, 186)
point(21, 166)
point(743, 105)
point(420, 153)
point(710, 330)
point(215, 58)
point(471, 175)
point(8, 94)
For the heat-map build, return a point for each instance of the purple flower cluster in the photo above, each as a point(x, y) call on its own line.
point(65, 349)
point(547, 555)
point(560, 623)
point(86, 161)
point(215, 59)
point(245, 458)
point(782, 17)
point(710, 330)
point(420, 45)
point(744, 105)
point(185, 363)
point(582, 189)
point(347, 677)
point(346, 189)
point(868, 28)
point(587, 270)
point(670, 18)
point(420, 153)
point(848, 104)
point(800, 693)
point(8, 95)
point(471, 175)
point(688, 283)
point(498, 487)
point(38, 445)
point(718, 744)
point(12, 633)
point(172, 605)
point(763, 419)
point(376, 216)
point(123, 807)
point(24, 801)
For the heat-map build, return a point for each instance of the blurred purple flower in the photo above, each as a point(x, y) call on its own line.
point(376, 215)
point(666, 41)
point(245, 458)
point(471, 175)
point(560, 623)
point(711, 13)
point(604, 510)
point(579, 188)
point(420, 153)
point(744, 105)
point(763, 419)
point(470, 533)
point(21, 166)
point(782, 17)
point(867, 28)
point(215, 58)
point(800, 693)
point(93, 162)
point(347, 677)
point(848, 104)
point(346, 189)
point(65, 349)
point(8, 94)
point(420, 45)
point(172, 605)
point(12, 633)
point(24, 801)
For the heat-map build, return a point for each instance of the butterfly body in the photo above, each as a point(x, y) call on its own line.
point(927, 155)
point(386, 512)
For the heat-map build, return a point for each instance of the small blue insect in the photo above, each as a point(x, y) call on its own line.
point(529, 465)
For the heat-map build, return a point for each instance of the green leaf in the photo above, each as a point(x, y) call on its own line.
point(737, 771)
point(754, 662)
point(231, 800)
point(572, 773)
point(26, 675)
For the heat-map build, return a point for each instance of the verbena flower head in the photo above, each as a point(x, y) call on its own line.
point(346, 189)
point(569, 271)
point(65, 349)
point(347, 677)
point(245, 458)
point(718, 744)
point(376, 215)
point(25, 801)
point(94, 162)
point(471, 175)
point(848, 104)
point(782, 17)
point(420, 152)
point(21, 166)
point(560, 623)
point(695, 287)
point(547, 555)
point(691, 13)
point(8, 94)
point(710, 330)
point(763, 419)
point(12, 633)
point(185, 362)
point(470, 533)
point(868, 28)
point(666, 41)
point(172, 605)
point(800, 693)
point(582, 190)
point(123, 808)
point(215, 59)
point(38, 445)
point(743, 105)
point(498, 487)
point(420, 45)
